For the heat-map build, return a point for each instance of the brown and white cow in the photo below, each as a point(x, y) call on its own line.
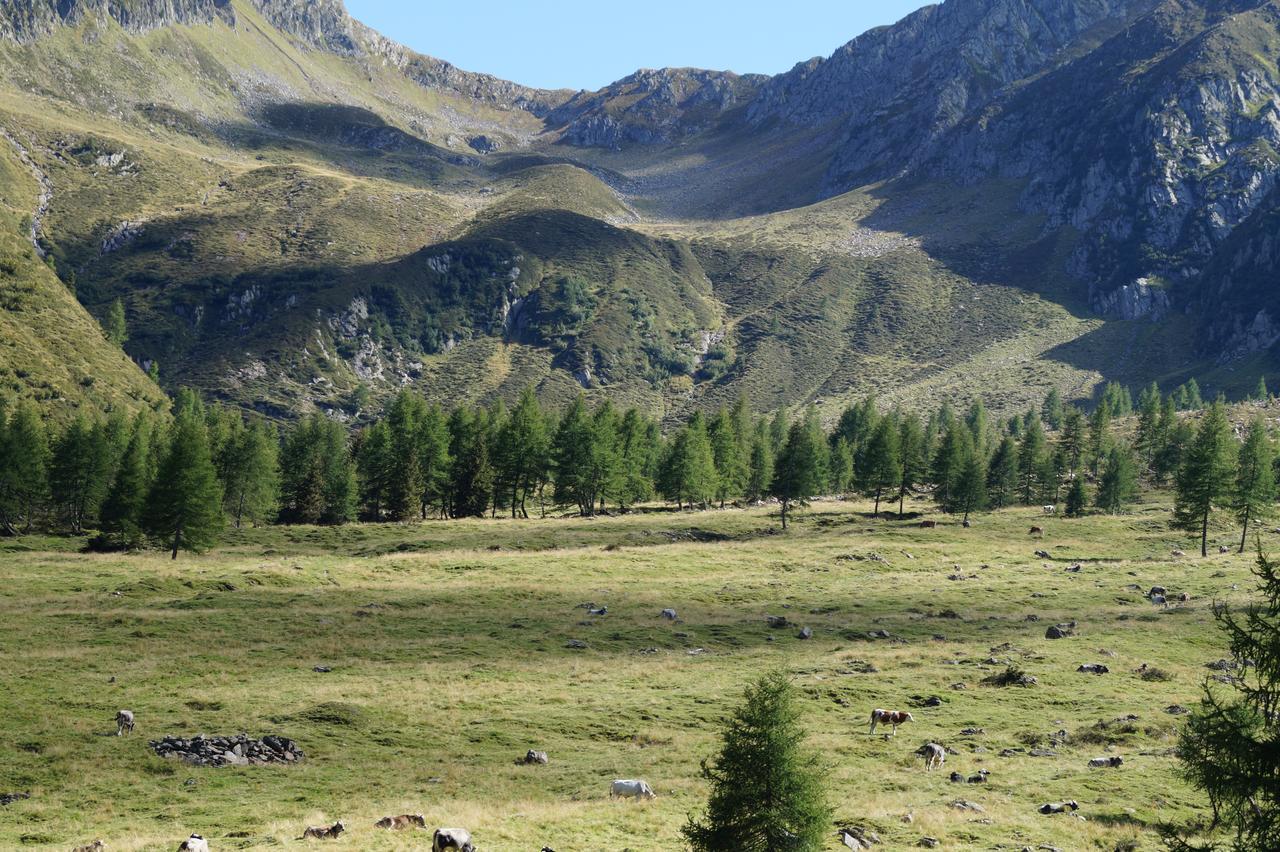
point(95, 846)
point(893, 718)
point(399, 823)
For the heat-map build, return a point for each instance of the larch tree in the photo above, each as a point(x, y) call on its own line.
point(1206, 475)
point(122, 512)
point(884, 463)
point(766, 787)
point(24, 468)
point(184, 505)
point(796, 472)
point(1255, 490)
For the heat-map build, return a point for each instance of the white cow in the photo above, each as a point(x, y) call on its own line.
point(194, 843)
point(934, 755)
point(452, 838)
point(124, 722)
point(1051, 510)
point(631, 790)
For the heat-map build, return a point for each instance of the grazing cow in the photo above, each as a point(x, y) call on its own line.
point(631, 790)
point(928, 525)
point(1059, 807)
point(324, 833)
point(95, 846)
point(124, 722)
point(400, 823)
point(452, 838)
point(194, 843)
point(980, 777)
point(1107, 762)
point(1051, 510)
point(934, 755)
point(1036, 531)
point(892, 718)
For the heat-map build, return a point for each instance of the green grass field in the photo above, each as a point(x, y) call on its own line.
point(448, 648)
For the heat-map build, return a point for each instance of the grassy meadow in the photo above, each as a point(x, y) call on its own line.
point(448, 648)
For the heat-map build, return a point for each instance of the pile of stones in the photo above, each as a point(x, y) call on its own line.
point(228, 751)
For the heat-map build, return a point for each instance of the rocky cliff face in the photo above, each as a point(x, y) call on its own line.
point(896, 90)
point(25, 20)
point(652, 107)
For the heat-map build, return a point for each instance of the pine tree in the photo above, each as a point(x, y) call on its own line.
point(1227, 748)
point(979, 428)
point(1255, 490)
point(948, 465)
point(912, 460)
point(762, 456)
point(1072, 440)
point(796, 473)
point(970, 490)
point(1051, 411)
point(689, 470)
point(1147, 439)
point(884, 464)
point(76, 473)
point(434, 463)
point(472, 476)
point(122, 512)
point(1119, 482)
point(1261, 394)
point(1099, 435)
point(521, 453)
point(24, 468)
point(251, 482)
point(1077, 498)
point(841, 462)
point(374, 465)
point(1002, 474)
point(731, 470)
point(115, 325)
point(404, 478)
point(184, 506)
point(1205, 476)
point(638, 440)
point(571, 453)
point(1031, 460)
point(766, 790)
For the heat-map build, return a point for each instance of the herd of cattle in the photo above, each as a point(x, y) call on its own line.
point(459, 839)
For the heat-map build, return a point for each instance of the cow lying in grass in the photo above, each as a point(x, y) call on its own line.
point(399, 823)
point(893, 718)
point(331, 832)
point(194, 843)
point(631, 790)
point(452, 838)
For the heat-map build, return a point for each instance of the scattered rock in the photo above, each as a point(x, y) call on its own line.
point(669, 614)
point(929, 842)
point(805, 633)
point(974, 807)
point(777, 622)
point(228, 751)
point(1056, 632)
point(604, 610)
point(9, 798)
point(973, 732)
point(1177, 554)
point(1093, 668)
point(1223, 665)
point(534, 758)
point(1106, 762)
point(322, 669)
point(1043, 554)
point(576, 644)
point(879, 634)
point(857, 837)
point(1177, 710)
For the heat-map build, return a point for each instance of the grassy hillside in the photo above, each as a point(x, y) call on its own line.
point(448, 649)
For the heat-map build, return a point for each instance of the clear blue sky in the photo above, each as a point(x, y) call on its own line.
point(586, 44)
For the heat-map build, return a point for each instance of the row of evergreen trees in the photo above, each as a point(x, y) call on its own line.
point(180, 480)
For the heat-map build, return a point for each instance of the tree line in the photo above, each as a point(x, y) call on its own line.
point(178, 480)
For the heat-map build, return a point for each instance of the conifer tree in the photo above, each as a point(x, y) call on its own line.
point(126, 501)
point(766, 789)
point(1261, 394)
point(1147, 438)
point(1205, 476)
point(1118, 484)
point(1099, 435)
point(1051, 411)
point(375, 464)
point(434, 463)
point(1227, 748)
point(1072, 439)
point(762, 457)
point(796, 472)
point(969, 494)
point(403, 479)
point(24, 468)
point(75, 473)
point(1002, 474)
point(1255, 490)
point(725, 450)
point(115, 325)
point(251, 478)
point(638, 439)
point(472, 477)
point(840, 460)
point(689, 472)
point(1031, 460)
point(184, 505)
point(948, 465)
point(571, 452)
point(1077, 498)
point(884, 464)
point(912, 461)
point(521, 451)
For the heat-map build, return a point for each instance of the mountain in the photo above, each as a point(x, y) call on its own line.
point(988, 198)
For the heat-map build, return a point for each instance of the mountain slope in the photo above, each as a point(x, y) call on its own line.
point(300, 213)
